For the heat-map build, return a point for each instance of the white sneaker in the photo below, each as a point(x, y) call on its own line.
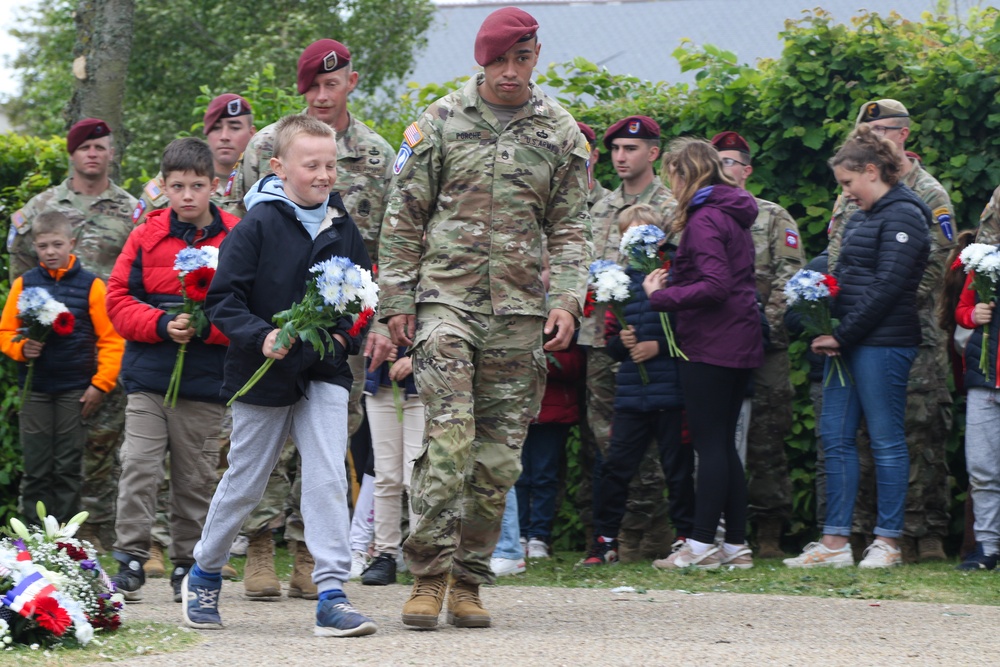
point(537, 548)
point(880, 555)
point(685, 557)
point(240, 545)
point(504, 566)
point(359, 561)
point(817, 555)
point(524, 543)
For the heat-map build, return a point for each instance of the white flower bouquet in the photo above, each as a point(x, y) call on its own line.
point(983, 262)
point(640, 246)
point(609, 284)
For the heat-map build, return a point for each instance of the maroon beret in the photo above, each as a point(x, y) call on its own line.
point(730, 141)
point(325, 55)
point(588, 132)
point(501, 30)
point(229, 105)
point(633, 127)
point(84, 130)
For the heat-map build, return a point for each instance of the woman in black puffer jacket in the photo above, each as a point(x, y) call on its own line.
point(882, 259)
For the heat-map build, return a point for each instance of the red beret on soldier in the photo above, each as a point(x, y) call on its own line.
point(228, 105)
point(501, 30)
point(730, 141)
point(633, 127)
point(588, 132)
point(84, 130)
point(320, 57)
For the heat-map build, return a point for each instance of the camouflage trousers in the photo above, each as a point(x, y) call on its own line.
point(646, 508)
point(481, 378)
point(816, 398)
point(101, 468)
point(768, 484)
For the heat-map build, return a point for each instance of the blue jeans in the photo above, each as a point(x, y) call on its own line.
point(509, 544)
point(538, 485)
point(878, 391)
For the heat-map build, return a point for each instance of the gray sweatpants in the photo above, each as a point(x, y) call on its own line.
point(982, 458)
point(318, 426)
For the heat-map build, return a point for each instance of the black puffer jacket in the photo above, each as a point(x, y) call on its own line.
point(882, 259)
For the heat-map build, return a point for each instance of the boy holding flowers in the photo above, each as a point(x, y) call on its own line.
point(154, 278)
point(294, 221)
point(73, 369)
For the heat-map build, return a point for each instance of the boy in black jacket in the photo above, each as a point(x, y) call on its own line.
point(293, 222)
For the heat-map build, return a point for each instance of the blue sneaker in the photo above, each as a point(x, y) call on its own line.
point(201, 602)
point(977, 560)
point(337, 618)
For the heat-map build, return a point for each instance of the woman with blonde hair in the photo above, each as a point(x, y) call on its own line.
point(882, 260)
point(711, 290)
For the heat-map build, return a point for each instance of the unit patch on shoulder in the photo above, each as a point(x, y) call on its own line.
point(153, 190)
point(791, 238)
point(17, 220)
point(943, 217)
point(404, 154)
point(140, 208)
point(229, 183)
point(413, 135)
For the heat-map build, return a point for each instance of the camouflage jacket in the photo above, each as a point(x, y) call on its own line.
point(942, 238)
point(472, 203)
point(153, 196)
point(607, 239)
point(598, 193)
point(989, 221)
point(779, 255)
point(101, 227)
point(364, 160)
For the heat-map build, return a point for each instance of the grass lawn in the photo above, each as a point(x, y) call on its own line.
point(130, 641)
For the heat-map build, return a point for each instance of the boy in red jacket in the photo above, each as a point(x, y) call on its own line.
point(144, 294)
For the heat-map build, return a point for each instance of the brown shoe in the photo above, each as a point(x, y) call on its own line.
point(260, 582)
point(229, 572)
point(629, 546)
point(931, 549)
point(155, 567)
point(465, 609)
point(769, 532)
point(301, 585)
point(908, 546)
point(426, 599)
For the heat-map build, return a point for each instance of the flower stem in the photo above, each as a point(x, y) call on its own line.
point(174, 386)
point(984, 356)
point(252, 381)
point(397, 400)
point(27, 382)
point(672, 349)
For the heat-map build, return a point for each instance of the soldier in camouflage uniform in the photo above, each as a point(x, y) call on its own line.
point(228, 127)
point(778, 256)
point(484, 177)
point(989, 221)
point(928, 401)
point(633, 155)
point(325, 79)
point(101, 215)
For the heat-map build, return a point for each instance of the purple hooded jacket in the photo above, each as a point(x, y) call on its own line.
point(712, 285)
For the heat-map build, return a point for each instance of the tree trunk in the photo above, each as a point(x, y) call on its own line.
point(101, 53)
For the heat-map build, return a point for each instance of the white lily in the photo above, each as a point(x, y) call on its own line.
point(73, 525)
point(51, 527)
point(20, 529)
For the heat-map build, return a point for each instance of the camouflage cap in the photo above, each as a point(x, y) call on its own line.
point(324, 55)
point(84, 130)
point(879, 109)
point(228, 105)
point(501, 30)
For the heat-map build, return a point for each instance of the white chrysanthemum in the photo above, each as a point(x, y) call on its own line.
point(611, 285)
point(211, 254)
point(989, 265)
point(973, 254)
point(48, 313)
point(31, 299)
point(369, 291)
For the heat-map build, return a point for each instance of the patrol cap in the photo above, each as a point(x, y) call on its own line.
point(501, 30)
point(324, 55)
point(880, 109)
point(84, 130)
point(730, 141)
point(633, 127)
point(228, 105)
point(588, 132)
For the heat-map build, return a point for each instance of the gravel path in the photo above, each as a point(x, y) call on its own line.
point(571, 626)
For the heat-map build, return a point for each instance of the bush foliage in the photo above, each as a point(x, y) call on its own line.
point(794, 111)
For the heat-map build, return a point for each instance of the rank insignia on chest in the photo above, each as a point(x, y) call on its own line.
point(229, 183)
point(17, 220)
point(943, 218)
point(138, 211)
point(413, 135)
point(404, 154)
point(364, 208)
point(791, 238)
point(153, 190)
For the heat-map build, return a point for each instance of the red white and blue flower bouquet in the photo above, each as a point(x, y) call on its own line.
point(640, 245)
point(338, 288)
point(40, 315)
point(54, 592)
point(810, 293)
point(195, 269)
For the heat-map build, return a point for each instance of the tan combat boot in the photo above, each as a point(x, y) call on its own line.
point(229, 572)
point(426, 599)
point(301, 585)
point(931, 549)
point(155, 568)
point(465, 609)
point(88, 532)
point(769, 538)
point(629, 546)
point(908, 545)
point(260, 582)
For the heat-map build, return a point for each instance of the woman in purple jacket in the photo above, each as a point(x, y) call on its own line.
point(711, 291)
